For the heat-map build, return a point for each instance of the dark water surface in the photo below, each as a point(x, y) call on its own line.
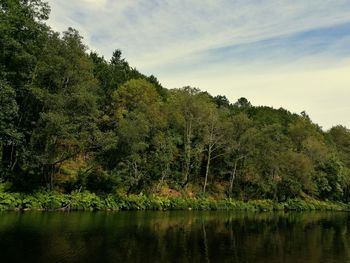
point(185, 236)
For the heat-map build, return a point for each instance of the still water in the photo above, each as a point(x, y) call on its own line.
point(185, 236)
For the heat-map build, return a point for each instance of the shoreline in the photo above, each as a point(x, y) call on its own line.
point(86, 201)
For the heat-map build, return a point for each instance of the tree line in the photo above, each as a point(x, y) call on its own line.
point(71, 120)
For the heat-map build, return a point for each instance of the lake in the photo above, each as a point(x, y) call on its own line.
point(178, 236)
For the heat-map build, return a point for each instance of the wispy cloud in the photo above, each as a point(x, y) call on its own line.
point(205, 41)
point(171, 29)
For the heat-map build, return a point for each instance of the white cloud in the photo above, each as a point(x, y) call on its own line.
point(323, 93)
point(94, 3)
point(157, 32)
point(172, 39)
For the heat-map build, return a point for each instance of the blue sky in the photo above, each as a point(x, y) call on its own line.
point(291, 54)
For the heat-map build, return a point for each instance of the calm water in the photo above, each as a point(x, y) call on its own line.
point(174, 237)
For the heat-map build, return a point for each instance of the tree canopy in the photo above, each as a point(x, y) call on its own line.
point(73, 120)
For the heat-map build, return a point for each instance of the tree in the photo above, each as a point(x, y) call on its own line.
point(242, 103)
point(215, 138)
point(189, 109)
point(221, 101)
point(266, 147)
point(23, 35)
point(340, 135)
point(163, 156)
point(238, 144)
point(137, 112)
point(9, 136)
point(63, 108)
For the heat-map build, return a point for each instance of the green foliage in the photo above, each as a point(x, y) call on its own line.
point(86, 201)
point(9, 111)
point(340, 135)
point(72, 122)
point(304, 205)
point(10, 201)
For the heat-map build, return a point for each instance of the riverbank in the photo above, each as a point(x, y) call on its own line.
point(86, 201)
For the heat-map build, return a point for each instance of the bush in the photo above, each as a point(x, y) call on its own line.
point(84, 201)
point(10, 201)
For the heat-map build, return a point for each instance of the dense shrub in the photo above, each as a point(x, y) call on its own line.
point(85, 201)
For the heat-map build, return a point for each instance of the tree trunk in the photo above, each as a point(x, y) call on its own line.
point(207, 169)
point(161, 182)
point(233, 175)
point(188, 152)
point(210, 150)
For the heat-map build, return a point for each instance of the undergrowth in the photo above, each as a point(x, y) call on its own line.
point(85, 201)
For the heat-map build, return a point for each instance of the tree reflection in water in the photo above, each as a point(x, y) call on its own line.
point(175, 237)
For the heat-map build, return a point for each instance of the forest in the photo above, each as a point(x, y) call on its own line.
point(72, 121)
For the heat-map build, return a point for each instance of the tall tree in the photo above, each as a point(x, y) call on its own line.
point(8, 133)
point(64, 95)
point(137, 112)
point(23, 34)
point(189, 109)
point(215, 138)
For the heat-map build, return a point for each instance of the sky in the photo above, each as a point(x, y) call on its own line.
point(293, 54)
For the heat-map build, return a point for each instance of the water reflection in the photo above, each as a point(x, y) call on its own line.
point(174, 237)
